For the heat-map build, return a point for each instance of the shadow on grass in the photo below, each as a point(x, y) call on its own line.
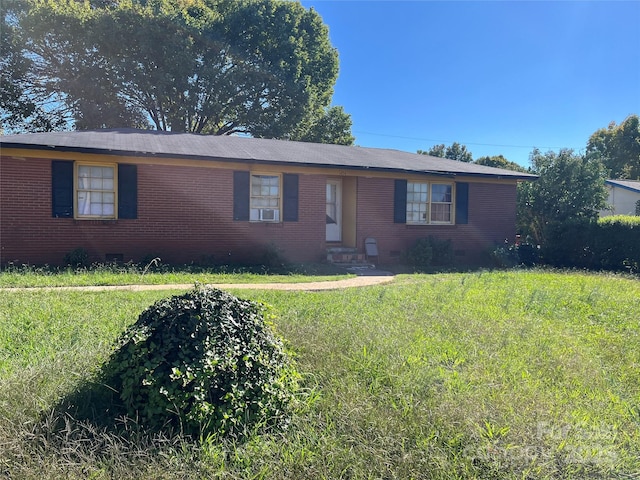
point(90, 425)
point(95, 403)
point(89, 430)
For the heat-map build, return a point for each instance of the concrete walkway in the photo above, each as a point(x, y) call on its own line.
point(359, 281)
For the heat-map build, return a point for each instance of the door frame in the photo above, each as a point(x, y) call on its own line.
point(334, 233)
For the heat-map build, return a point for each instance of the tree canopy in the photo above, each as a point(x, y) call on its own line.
point(21, 108)
point(499, 161)
point(618, 148)
point(330, 125)
point(265, 68)
point(460, 152)
point(455, 151)
point(569, 187)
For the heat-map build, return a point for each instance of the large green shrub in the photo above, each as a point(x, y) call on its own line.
point(430, 251)
point(442, 251)
point(567, 243)
point(616, 242)
point(420, 254)
point(77, 258)
point(205, 362)
point(511, 255)
point(610, 243)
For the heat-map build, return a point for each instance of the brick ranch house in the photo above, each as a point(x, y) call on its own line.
point(128, 194)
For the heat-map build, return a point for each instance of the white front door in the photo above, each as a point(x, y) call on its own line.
point(334, 211)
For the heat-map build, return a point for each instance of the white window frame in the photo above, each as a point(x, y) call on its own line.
point(432, 203)
point(265, 206)
point(82, 192)
point(416, 203)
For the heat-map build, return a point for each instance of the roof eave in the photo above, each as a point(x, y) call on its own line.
point(624, 187)
point(104, 151)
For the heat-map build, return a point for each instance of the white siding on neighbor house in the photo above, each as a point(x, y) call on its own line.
point(621, 201)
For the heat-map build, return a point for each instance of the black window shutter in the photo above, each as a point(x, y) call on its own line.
point(62, 189)
point(290, 197)
point(462, 203)
point(127, 191)
point(400, 202)
point(241, 196)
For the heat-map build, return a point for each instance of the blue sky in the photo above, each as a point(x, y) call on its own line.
point(499, 77)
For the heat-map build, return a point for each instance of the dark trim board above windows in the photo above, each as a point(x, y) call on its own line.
point(93, 191)
point(430, 203)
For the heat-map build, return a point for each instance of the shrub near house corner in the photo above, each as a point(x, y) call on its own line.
point(616, 242)
point(205, 362)
point(430, 251)
point(611, 243)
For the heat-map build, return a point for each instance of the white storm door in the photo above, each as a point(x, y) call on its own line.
point(334, 211)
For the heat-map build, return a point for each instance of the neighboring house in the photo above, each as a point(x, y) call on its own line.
point(623, 198)
point(130, 194)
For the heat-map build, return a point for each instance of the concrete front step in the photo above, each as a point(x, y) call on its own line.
point(346, 257)
point(357, 268)
point(341, 249)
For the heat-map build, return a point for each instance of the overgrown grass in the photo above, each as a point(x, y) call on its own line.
point(521, 375)
point(154, 274)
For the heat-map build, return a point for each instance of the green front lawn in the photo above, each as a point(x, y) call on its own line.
point(27, 276)
point(522, 375)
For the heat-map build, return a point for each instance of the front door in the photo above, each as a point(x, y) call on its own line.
point(334, 210)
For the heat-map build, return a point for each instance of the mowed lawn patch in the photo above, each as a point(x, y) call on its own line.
point(523, 374)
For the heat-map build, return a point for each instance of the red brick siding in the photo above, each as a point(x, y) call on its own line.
point(184, 214)
point(492, 219)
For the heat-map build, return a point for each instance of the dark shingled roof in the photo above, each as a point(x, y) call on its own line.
point(153, 143)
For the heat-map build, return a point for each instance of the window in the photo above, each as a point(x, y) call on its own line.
point(417, 202)
point(440, 203)
point(89, 191)
point(96, 191)
point(429, 203)
point(253, 202)
point(265, 198)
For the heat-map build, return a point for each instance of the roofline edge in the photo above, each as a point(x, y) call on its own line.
point(104, 151)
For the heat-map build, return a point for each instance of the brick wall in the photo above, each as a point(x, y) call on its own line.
point(492, 219)
point(184, 214)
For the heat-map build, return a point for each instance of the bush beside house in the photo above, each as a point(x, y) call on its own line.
point(610, 243)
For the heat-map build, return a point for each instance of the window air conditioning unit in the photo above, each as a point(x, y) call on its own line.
point(267, 214)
